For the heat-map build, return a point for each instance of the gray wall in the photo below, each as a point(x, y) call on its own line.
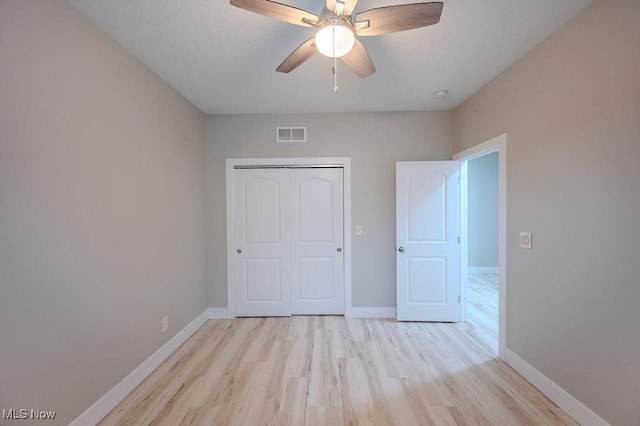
point(571, 110)
point(101, 210)
point(482, 208)
point(374, 141)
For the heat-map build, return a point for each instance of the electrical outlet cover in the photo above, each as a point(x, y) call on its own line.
point(525, 240)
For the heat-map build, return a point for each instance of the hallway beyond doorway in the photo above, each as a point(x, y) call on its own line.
point(483, 306)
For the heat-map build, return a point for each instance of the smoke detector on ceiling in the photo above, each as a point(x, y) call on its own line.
point(440, 94)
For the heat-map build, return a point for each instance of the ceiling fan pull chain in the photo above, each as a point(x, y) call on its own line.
point(335, 64)
point(335, 76)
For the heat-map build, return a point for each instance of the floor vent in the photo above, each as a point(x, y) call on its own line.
point(291, 134)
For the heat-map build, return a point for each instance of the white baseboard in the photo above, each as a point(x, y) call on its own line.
point(387, 312)
point(218, 313)
point(354, 312)
point(563, 399)
point(108, 401)
point(482, 269)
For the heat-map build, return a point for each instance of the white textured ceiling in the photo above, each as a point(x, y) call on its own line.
point(223, 59)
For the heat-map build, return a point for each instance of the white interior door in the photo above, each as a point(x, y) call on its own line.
point(288, 241)
point(317, 228)
point(428, 247)
point(262, 236)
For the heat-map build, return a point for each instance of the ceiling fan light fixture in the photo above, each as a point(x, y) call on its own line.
point(335, 37)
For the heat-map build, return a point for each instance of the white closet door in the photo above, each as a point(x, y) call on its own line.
point(262, 209)
point(428, 229)
point(317, 227)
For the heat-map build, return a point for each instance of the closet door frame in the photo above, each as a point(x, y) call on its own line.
point(231, 163)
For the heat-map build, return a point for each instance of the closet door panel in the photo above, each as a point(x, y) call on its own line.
point(317, 241)
point(262, 235)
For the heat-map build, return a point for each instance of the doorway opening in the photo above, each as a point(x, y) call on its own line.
point(483, 242)
point(482, 246)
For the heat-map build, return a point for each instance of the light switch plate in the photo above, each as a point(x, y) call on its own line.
point(358, 229)
point(525, 240)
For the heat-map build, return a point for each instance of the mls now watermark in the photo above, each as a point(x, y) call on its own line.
point(27, 414)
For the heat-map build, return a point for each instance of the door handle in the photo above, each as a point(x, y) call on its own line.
point(401, 249)
point(239, 251)
point(339, 250)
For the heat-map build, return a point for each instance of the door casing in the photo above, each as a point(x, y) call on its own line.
point(345, 162)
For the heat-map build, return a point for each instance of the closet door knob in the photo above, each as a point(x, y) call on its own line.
point(339, 250)
point(239, 251)
point(401, 249)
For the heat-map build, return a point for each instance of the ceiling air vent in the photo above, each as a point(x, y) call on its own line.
point(291, 134)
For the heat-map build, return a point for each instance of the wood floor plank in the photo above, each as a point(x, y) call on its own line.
point(312, 370)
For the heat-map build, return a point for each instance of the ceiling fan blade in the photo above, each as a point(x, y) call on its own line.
point(278, 11)
point(304, 52)
point(391, 19)
point(359, 61)
point(349, 5)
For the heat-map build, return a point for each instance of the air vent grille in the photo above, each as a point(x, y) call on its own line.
point(291, 134)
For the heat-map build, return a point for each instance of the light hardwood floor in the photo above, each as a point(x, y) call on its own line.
point(317, 370)
point(482, 311)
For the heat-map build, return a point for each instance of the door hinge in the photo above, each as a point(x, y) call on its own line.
point(458, 299)
point(458, 240)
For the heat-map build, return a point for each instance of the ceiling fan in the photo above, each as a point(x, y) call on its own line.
point(337, 30)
